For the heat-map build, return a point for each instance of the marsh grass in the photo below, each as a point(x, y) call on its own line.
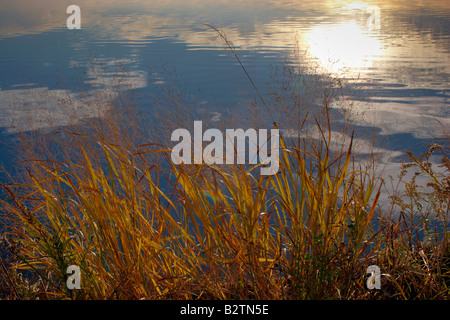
point(102, 197)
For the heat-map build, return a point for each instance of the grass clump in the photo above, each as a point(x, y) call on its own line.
point(139, 227)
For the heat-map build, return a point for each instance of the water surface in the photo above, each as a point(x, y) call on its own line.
point(401, 61)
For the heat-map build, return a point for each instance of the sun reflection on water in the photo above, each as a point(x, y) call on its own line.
point(343, 47)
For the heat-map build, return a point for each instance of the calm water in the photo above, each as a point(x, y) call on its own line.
point(399, 50)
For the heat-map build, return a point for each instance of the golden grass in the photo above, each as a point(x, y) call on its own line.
point(140, 227)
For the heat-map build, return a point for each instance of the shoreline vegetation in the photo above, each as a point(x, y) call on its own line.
point(102, 197)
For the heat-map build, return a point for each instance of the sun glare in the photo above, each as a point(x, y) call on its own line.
point(342, 47)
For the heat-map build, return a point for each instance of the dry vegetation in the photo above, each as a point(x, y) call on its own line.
point(99, 196)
